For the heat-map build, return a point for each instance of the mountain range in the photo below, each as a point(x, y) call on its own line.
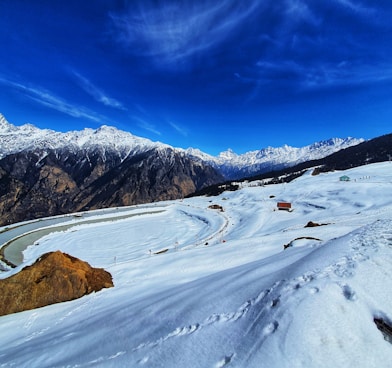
point(234, 166)
point(45, 172)
point(124, 145)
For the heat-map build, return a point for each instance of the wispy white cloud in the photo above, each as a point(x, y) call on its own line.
point(46, 98)
point(298, 11)
point(322, 74)
point(306, 50)
point(97, 93)
point(345, 74)
point(356, 6)
point(143, 124)
point(173, 33)
point(179, 128)
point(300, 77)
point(141, 109)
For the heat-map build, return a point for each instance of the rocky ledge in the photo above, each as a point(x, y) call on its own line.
point(55, 277)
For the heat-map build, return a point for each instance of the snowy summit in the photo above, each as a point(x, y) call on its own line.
point(245, 286)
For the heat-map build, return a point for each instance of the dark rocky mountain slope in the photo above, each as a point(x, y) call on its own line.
point(42, 183)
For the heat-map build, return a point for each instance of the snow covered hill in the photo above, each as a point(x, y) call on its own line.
point(197, 287)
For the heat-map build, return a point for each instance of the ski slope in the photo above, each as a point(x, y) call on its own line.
point(197, 287)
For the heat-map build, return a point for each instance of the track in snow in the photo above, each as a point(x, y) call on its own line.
point(197, 226)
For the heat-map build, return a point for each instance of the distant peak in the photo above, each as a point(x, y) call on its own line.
point(5, 126)
point(106, 128)
point(229, 153)
point(3, 120)
point(349, 141)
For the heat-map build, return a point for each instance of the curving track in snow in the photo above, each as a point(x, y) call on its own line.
point(170, 227)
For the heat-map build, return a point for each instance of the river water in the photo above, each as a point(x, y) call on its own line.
point(16, 238)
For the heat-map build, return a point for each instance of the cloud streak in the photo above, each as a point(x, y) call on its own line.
point(97, 93)
point(297, 43)
point(173, 33)
point(356, 7)
point(45, 98)
point(320, 45)
point(145, 125)
point(178, 129)
point(297, 77)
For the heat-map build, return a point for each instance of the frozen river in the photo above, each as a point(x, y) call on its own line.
point(16, 238)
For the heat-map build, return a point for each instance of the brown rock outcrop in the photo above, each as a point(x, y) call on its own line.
point(55, 277)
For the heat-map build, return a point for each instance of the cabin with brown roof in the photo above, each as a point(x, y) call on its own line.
point(284, 206)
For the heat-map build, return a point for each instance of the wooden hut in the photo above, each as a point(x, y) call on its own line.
point(284, 206)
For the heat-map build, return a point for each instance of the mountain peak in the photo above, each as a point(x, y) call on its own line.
point(5, 126)
point(106, 129)
point(228, 154)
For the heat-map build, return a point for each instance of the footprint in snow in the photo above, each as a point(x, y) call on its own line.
point(180, 331)
point(30, 321)
point(345, 267)
point(300, 282)
point(225, 361)
point(270, 328)
point(144, 360)
point(348, 292)
point(275, 302)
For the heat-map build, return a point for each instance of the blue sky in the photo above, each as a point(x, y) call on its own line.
point(212, 74)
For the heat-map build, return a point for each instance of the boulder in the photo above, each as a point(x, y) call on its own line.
point(55, 277)
point(216, 207)
point(314, 224)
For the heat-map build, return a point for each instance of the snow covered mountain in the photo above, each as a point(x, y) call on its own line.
point(234, 166)
point(30, 138)
point(196, 287)
point(44, 173)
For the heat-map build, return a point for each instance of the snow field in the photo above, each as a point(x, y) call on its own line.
point(238, 301)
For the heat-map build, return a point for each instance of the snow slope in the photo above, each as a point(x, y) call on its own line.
point(226, 293)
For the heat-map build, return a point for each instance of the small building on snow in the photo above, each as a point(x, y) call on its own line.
point(284, 206)
point(344, 178)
